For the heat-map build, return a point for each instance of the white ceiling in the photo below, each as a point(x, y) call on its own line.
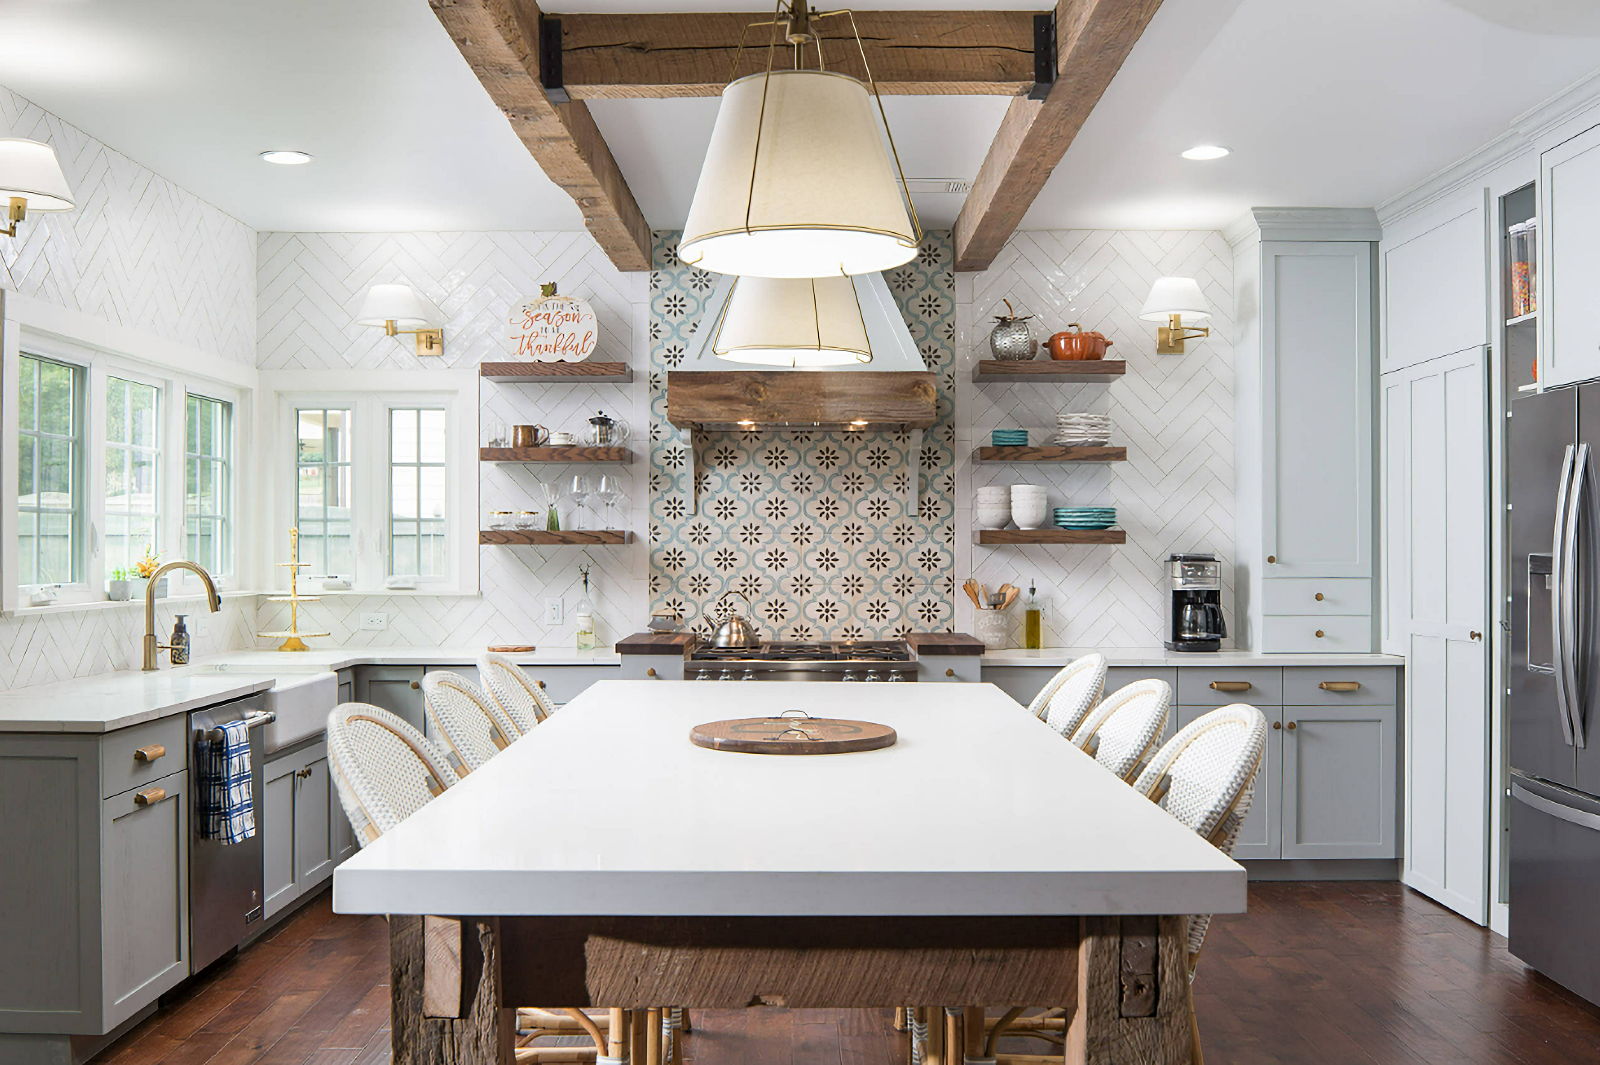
point(1326, 104)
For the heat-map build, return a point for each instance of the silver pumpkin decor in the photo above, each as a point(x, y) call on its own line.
point(1011, 340)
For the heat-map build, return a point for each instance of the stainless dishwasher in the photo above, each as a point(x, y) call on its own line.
point(225, 880)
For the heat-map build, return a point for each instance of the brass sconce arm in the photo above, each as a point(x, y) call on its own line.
point(429, 341)
point(18, 211)
point(1170, 338)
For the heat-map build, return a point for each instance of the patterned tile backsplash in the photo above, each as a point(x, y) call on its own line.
point(822, 531)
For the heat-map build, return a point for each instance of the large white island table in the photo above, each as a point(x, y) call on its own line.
point(604, 860)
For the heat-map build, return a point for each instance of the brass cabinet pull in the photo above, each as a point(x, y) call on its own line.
point(1291, 726)
point(1319, 634)
point(1340, 685)
point(949, 672)
point(1319, 597)
point(302, 774)
point(150, 753)
point(149, 796)
point(1277, 725)
point(1272, 558)
point(650, 672)
point(1230, 685)
point(1476, 635)
point(415, 686)
point(540, 683)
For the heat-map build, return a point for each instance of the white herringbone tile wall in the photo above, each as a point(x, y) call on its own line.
point(39, 648)
point(137, 251)
point(310, 286)
point(1173, 412)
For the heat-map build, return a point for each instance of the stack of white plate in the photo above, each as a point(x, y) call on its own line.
point(1082, 430)
point(991, 506)
point(1029, 505)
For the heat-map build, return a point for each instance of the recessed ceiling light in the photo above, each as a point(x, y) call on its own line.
point(1207, 151)
point(286, 158)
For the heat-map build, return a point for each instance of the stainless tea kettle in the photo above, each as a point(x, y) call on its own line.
point(735, 630)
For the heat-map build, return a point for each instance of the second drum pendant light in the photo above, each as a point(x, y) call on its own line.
point(798, 180)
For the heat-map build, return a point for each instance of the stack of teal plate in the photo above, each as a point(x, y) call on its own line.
point(1009, 437)
point(1086, 517)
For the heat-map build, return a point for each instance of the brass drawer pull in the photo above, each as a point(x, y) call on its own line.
point(949, 672)
point(1277, 725)
point(650, 672)
point(415, 686)
point(540, 683)
point(150, 753)
point(1319, 634)
point(1291, 726)
point(1340, 685)
point(149, 796)
point(1319, 597)
point(1230, 685)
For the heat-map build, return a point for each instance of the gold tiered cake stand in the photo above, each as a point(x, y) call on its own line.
point(292, 641)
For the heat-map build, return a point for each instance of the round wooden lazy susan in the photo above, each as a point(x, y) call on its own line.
point(792, 734)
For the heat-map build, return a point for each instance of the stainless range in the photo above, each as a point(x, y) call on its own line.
point(866, 661)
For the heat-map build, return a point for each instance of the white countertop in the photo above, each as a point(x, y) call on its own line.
point(321, 658)
point(978, 809)
point(111, 701)
point(1160, 656)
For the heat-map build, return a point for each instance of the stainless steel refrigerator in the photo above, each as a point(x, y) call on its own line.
point(1553, 709)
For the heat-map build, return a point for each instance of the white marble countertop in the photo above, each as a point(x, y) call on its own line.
point(111, 701)
point(775, 836)
point(1160, 656)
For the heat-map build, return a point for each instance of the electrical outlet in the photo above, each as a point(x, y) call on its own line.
point(553, 610)
point(375, 621)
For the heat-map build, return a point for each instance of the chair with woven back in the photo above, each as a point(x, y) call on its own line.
point(1067, 697)
point(1123, 731)
point(519, 696)
point(471, 724)
point(1205, 777)
point(385, 771)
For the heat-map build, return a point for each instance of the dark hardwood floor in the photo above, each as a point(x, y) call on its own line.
point(1314, 973)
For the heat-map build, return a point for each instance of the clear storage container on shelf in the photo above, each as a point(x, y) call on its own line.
point(1524, 281)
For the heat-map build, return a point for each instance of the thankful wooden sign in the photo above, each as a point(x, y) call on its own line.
point(552, 328)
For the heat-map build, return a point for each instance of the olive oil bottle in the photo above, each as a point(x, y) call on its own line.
point(1031, 626)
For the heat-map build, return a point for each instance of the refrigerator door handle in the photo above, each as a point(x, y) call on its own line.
point(1582, 818)
point(1569, 597)
point(1558, 594)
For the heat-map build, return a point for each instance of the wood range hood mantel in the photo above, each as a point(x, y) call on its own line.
point(801, 399)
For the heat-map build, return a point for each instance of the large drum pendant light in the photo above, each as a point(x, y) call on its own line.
point(792, 323)
point(798, 182)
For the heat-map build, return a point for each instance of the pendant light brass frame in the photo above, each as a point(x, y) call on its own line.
point(722, 315)
point(798, 30)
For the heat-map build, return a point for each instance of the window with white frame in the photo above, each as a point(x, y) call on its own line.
point(324, 489)
point(50, 495)
point(208, 483)
point(417, 499)
point(132, 488)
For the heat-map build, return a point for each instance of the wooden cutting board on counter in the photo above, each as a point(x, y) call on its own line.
point(792, 735)
point(513, 648)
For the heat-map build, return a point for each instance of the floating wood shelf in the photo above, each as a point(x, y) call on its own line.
point(1046, 453)
point(998, 537)
point(572, 453)
point(555, 373)
point(1050, 371)
point(543, 537)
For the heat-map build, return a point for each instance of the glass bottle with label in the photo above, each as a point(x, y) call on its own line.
point(585, 612)
point(1031, 624)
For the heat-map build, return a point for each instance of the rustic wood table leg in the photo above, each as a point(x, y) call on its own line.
point(1133, 993)
point(972, 1033)
point(449, 968)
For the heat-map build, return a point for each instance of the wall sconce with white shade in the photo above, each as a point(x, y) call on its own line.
point(399, 309)
point(31, 178)
point(1170, 299)
point(798, 180)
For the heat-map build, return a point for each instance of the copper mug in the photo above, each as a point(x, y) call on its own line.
point(529, 435)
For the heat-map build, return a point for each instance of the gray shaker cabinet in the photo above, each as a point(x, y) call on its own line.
point(301, 825)
point(1338, 781)
point(144, 846)
point(389, 687)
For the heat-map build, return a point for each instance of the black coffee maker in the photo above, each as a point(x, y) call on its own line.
point(1194, 603)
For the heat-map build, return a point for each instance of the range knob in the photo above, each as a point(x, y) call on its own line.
point(704, 674)
point(749, 674)
point(728, 675)
point(896, 677)
point(872, 675)
point(849, 674)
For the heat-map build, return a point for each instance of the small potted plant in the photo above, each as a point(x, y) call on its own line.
point(117, 589)
point(146, 568)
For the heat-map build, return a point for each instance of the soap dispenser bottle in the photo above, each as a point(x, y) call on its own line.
point(180, 643)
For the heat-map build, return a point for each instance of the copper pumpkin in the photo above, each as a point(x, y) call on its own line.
point(1080, 345)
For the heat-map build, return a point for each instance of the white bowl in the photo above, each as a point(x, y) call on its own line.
point(995, 492)
point(1029, 515)
point(992, 517)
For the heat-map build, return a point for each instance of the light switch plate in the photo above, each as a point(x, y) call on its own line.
point(553, 609)
point(375, 621)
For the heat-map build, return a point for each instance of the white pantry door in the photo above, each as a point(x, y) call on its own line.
point(1436, 411)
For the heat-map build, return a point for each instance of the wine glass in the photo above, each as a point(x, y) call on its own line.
point(608, 492)
point(578, 491)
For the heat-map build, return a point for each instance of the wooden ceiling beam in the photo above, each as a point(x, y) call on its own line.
point(1093, 37)
point(910, 52)
point(500, 41)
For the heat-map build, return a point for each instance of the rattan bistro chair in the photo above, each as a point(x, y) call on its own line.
point(1069, 695)
point(1124, 729)
point(384, 771)
point(1205, 776)
point(472, 725)
point(518, 695)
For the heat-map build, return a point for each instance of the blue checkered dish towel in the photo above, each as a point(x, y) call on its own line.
point(226, 797)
